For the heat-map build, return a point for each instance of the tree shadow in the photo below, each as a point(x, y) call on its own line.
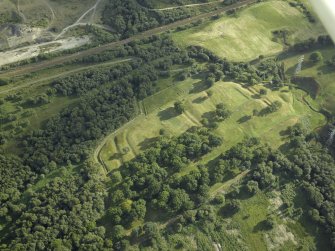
point(264, 112)
point(199, 87)
point(167, 114)
point(244, 194)
point(227, 212)
point(199, 100)
point(308, 84)
point(326, 69)
point(284, 148)
point(261, 226)
point(256, 96)
point(115, 156)
point(208, 115)
point(213, 162)
point(285, 132)
point(244, 119)
point(147, 143)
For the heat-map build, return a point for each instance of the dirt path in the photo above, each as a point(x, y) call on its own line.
point(49, 78)
point(79, 21)
point(51, 9)
point(225, 186)
point(20, 12)
point(59, 60)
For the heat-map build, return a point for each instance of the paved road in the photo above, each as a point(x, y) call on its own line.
point(62, 59)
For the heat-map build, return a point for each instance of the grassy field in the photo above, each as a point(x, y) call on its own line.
point(144, 130)
point(249, 35)
point(324, 75)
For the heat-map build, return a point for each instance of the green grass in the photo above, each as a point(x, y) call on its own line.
point(144, 130)
point(253, 212)
point(164, 96)
point(250, 34)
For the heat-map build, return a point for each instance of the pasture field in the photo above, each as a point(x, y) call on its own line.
point(249, 34)
point(144, 130)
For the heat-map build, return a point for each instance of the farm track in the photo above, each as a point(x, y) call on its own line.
point(225, 186)
point(129, 143)
point(51, 9)
point(20, 12)
point(191, 118)
point(62, 59)
point(118, 148)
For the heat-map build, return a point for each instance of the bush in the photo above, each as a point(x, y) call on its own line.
point(179, 107)
point(219, 199)
point(316, 57)
point(263, 92)
point(270, 223)
point(252, 187)
point(3, 82)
